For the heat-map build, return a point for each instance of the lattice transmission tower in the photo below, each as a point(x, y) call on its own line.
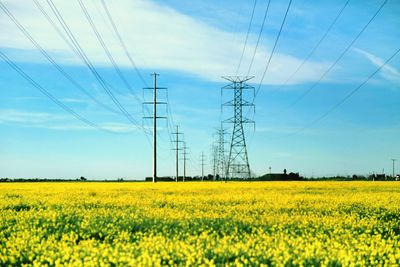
point(220, 153)
point(238, 162)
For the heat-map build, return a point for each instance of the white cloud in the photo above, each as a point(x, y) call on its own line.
point(56, 122)
point(158, 37)
point(74, 100)
point(16, 116)
point(119, 127)
point(388, 72)
point(112, 127)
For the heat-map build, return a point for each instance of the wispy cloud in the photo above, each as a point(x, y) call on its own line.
point(56, 122)
point(158, 36)
point(121, 128)
point(17, 116)
point(74, 100)
point(388, 72)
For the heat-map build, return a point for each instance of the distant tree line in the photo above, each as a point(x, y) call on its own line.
point(355, 177)
point(81, 179)
point(35, 180)
point(267, 177)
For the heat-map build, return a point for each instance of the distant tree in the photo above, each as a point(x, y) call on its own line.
point(83, 178)
point(284, 171)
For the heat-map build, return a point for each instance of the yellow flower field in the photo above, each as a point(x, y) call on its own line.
point(209, 223)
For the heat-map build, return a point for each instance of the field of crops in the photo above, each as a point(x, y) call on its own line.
point(210, 223)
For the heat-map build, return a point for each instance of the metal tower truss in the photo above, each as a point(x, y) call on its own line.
point(220, 171)
point(238, 162)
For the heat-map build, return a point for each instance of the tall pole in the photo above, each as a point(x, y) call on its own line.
point(202, 166)
point(214, 151)
point(184, 163)
point(154, 104)
point(184, 160)
point(155, 128)
point(177, 152)
point(393, 172)
point(177, 141)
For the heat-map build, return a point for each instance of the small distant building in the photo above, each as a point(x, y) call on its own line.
point(378, 177)
point(281, 177)
point(171, 179)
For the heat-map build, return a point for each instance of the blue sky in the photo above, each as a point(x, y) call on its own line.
point(192, 44)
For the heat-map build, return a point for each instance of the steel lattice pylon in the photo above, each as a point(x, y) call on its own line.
point(238, 162)
point(221, 158)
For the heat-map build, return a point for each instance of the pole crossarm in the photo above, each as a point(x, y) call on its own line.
point(237, 79)
point(152, 117)
point(158, 88)
point(234, 120)
point(157, 103)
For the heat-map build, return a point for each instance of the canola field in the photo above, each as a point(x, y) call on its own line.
point(200, 223)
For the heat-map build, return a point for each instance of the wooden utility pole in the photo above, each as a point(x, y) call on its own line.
point(155, 128)
point(177, 141)
point(185, 153)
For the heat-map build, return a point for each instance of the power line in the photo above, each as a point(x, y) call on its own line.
point(258, 38)
point(124, 47)
point(49, 95)
point(170, 119)
point(106, 50)
point(317, 45)
point(247, 36)
point(350, 94)
point(89, 64)
point(62, 36)
point(51, 59)
point(341, 55)
point(273, 49)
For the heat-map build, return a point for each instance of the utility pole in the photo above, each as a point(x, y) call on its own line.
point(393, 161)
point(238, 161)
point(154, 103)
point(185, 153)
point(202, 165)
point(177, 149)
